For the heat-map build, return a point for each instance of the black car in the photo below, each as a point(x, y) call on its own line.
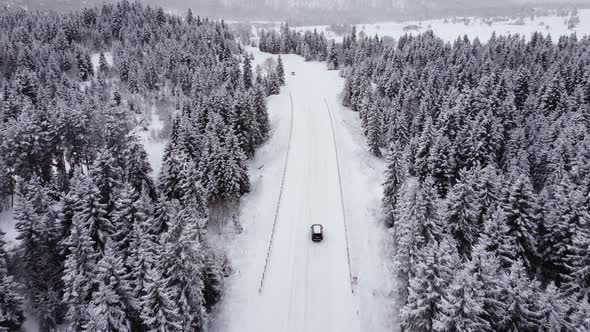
point(317, 232)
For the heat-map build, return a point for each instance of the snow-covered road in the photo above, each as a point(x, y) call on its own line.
point(310, 280)
point(307, 286)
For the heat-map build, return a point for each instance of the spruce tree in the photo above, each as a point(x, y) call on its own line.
point(90, 213)
point(11, 312)
point(521, 299)
point(374, 131)
point(462, 213)
point(183, 268)
point(247, 72)
point(519, 208)
point(159, 312)
point(394, 178)
point(78, 274)
point(280, 71)
point(437, 265)
point(462, 307)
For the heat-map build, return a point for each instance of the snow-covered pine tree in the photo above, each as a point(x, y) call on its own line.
point(433, 273)
point(461, 307)
point(112, 278)
point(169, 177)
point(394, 178)
point(106, 175)
point(79, 270)
point(280, 70)
point(137, 167)
point(578, 262)
point(524, 312)
point(90, 213)
point(333, 58)
point(485, 267)
point(183, 268)
point(243, 121)
point(428, 212)
point(123, 218)
point(258, 104)
point(519, 208)
point(103, 66)
point(143, 245)
point(247, 72)
point(106, 313)
point(565, 213)
point(192, 193)
point(374, 129)
point(159, 312)
point(11, 312)
point(461, 213)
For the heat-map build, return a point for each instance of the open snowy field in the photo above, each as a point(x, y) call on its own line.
point(308, 286)
point(473, 27)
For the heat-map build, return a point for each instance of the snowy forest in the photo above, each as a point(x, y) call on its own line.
point(102, 246)
point(486, 189)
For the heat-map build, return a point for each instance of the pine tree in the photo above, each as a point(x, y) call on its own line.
point(143, 245)
point(258, 102)
point(428, 212)
point(247, 72)
point(519, 207)
point(107, 177)
point(11, 313)
point(434, 271)
point(103, 66)
point(105, 312)
point(183, 268)
point(394, 177)
point(280, 71)
point(159, 312)
point(565, 213)
point(374, 131)
point(462, 213)
point(77, 277)
point(523, 311)
point(116, 294)
point(123, 218)
point(333, 58)
point(485, 268)
point(90, 213)
point(578, 261)
point(462, 306)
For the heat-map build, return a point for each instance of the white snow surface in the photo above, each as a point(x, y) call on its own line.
point(477, 27)
point(7, 225)
point(307, 286)
point(153, 145)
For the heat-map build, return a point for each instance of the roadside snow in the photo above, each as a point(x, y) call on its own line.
point(307, 286)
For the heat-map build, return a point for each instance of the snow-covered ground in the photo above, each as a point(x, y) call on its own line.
point(450, 29)
point(95, 58)
point(152, 143)
point(7, 224)
point(307, 286)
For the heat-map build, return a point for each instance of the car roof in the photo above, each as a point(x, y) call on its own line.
point(316, 228)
